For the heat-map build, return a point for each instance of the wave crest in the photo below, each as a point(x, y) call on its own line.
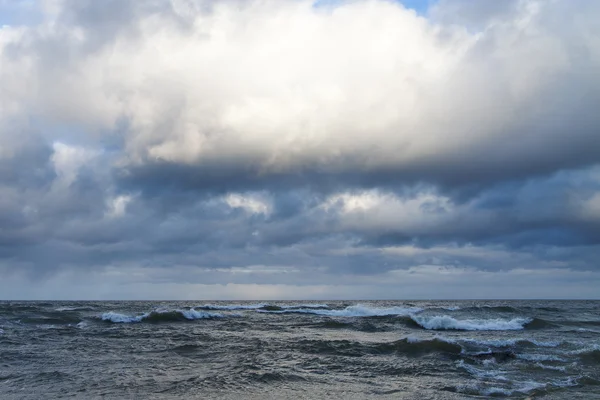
point(445, 322)
point(415, 346)
point(157, 316)
point(352, 311)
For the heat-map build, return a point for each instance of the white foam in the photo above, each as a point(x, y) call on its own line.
point(445, 322)
point(121, 318)
point(356, 311)
point(412, 339)
point(192, 314)
point(1, 331)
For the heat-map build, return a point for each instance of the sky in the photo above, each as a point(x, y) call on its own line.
point(295, 149)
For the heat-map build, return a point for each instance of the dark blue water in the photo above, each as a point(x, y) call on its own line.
point(344, 350)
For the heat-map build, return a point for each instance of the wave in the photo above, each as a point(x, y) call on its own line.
point(481, 373)
point(540, 357)
point(502, 309)
point(538, 323)
point(261, 306)
point(515, 388)
point(74, 309)
point(157, 316)
point(50, 319)
point(590, 356)
point(352, 311)
point(416, 346)
point(269, 377)
point(513, 342)
point(270, 307)
point(445, 322)
point(231, 307)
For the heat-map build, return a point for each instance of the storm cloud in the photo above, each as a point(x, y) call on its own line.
point(299, 149)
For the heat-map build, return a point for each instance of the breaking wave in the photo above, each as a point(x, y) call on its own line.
point(445, 322)
point(352, 311)
point(157, 316)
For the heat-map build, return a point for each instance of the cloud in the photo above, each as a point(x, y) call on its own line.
point(329, 142)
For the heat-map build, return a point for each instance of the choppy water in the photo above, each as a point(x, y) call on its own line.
point(189, 350)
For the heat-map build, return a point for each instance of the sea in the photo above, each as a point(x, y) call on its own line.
point(300, 350)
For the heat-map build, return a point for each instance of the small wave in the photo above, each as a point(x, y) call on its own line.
point(540, 357)
point(493, 356)
point(590, 356)
point(550, 367)
point(353, 311)
point(502, 309)
point(416, 346)
point(61, 309)
point(334, 324)
point(261, 306)
point(1, 331)
point(269, 377)
point(186, 348)
point(481, 373)
point(301, 306)
point(50, 319)
point(445, 322)
point(159, 316)
point(513, 342)
point(538, 323)
point(231, 307)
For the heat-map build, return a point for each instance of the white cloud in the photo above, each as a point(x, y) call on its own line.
point(285, 84)
point(374, 209)
point(67, 161)
point(117, 206)
point(251, 203)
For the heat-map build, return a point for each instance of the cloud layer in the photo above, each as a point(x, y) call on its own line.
point(331, 145)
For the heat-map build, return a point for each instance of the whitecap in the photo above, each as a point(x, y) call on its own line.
point(445, 322)
point(159, 315)
point(121, 318)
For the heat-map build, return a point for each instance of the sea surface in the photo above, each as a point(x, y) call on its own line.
point(300, 350)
